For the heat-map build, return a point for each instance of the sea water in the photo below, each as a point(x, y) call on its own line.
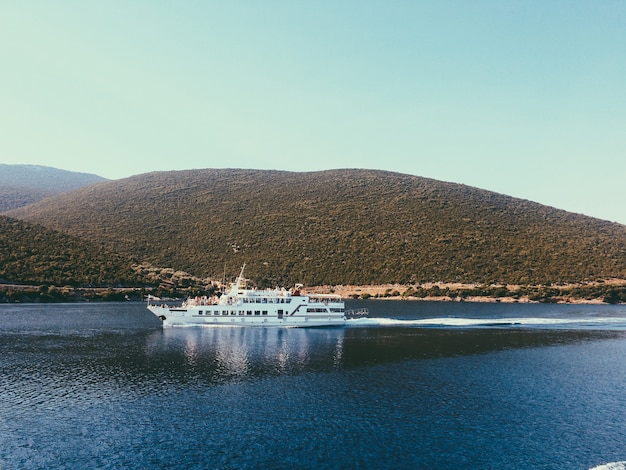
point(416, 385)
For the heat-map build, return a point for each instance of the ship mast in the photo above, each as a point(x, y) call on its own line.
point(240, 278)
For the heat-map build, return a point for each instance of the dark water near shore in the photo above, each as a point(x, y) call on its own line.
point(417, 385)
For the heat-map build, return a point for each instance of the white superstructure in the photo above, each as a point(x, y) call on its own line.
point(249, 307)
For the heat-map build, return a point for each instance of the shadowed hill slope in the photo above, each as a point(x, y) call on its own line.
point(32, 254)
point(335, 227)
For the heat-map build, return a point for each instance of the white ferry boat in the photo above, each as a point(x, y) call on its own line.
point(250, 307)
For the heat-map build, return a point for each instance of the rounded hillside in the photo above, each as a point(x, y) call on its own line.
point(335, 227)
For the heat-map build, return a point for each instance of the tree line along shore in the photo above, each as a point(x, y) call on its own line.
point(609, 292)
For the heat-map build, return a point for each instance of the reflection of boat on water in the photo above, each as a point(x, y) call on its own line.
point(219, 355)
point(223, 354)
point(250, 307)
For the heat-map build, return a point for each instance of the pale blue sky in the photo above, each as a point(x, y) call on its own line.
point(526, 98)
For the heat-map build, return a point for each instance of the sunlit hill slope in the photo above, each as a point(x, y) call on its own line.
point(335, 227)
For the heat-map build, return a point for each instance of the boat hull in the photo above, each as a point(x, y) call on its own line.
point(176, 317)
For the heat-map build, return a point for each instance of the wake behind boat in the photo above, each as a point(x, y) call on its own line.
point(250, 307)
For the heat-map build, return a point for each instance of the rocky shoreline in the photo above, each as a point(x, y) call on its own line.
point(607, 292)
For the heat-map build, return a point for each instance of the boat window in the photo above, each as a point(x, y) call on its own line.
point(257, 312)
point(264, 312)
point(249, 312)
point(199, 312)
point(288, 301)
point(241, 312)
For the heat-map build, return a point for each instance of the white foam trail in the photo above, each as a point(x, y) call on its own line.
point(468, 322)
point(611, 466)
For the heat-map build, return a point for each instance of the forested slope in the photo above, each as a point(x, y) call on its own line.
point(32, 254)
point(335, 227)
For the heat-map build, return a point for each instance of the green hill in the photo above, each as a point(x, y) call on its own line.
point(335, 227)
point(26, 184)
point(32, 254)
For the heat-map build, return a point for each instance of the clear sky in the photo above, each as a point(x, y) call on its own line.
point(526, 98)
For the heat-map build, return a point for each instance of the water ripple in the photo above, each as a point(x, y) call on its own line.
point(123, 396)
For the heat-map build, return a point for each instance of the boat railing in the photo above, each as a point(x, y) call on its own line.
point(357, 313)
point(164, 302)
point(202, 301)
point(318, 298)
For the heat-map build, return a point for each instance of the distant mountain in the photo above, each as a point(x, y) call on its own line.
point(335, 227)
point(21, 185)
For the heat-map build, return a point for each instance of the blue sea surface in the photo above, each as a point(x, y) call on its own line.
point(416, 385)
